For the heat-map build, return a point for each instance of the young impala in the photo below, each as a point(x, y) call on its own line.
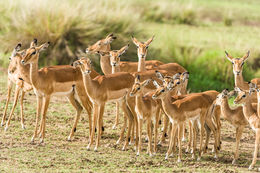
point(244, 97)
point(146, 109)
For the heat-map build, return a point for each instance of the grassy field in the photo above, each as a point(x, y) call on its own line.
point(58, 155)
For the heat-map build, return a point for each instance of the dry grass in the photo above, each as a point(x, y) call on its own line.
point(58, 155)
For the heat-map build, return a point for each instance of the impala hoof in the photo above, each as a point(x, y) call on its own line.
point(118, 141)
point(166, 156)
point(69, 138)
point(32, 140)
point(234, 162)
point(138, 154)
point(187, 150)
point(251, 167)
point(183, 139)
point(151, 155)
point(191, 151)
point(198, 159)
point(41, 141)
point(123, 149)
point(114, 127)
point(23, 127)
point(215, 156)
point(95, 149)
point(88, 147)
point(6, 127)
point(179, 160)
point(193, 156)
point(2, 124)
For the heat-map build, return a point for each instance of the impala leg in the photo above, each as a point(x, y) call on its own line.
point(16, 96)
point(87, 106)
point(257, 138)
point(180, 135)
point(130, 117)
point(79, 109)
point(211, 127)
point(183, 132)
point(7, 101)
point(165, 127)
point(39, 108)
point(173, 131)
point(157, 116)
point(46, 102)
point(122, 130)
point(140, 126)
point(95, 115)
point(239, 132)
point(190, 137)
point(99, 127)
point(149, 132)
point(21, 107)
point(194, 141)
point(202, 130)
point(117, 116)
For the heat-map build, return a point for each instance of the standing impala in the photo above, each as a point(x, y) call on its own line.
point(113, 87)
point(238, 64)
point(19, 75)
point(244, 98)
point(190, 107)
point(146, 109)
point(233, 116)
point(61, 80)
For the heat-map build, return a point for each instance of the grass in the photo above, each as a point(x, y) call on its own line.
point(193, 33)
point(59, 155)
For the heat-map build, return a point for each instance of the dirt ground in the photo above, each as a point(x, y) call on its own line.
point(57, 154)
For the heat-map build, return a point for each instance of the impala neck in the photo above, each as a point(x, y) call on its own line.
point(115, 69)
point(139, 99)
point(141, 65)
point(90, 85)
point(225, 109)
point(167, 103)
point(239, 81)
point(258, 105)
point(105, 64)
point(24, 71)
point(34, 75)
point(248, 109)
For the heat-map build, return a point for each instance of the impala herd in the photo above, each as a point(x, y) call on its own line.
point(143, 90)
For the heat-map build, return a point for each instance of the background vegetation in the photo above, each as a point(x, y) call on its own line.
point(194, 33)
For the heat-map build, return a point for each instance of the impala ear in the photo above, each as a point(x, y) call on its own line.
point(156, 84)
point(16, 49)
point(159, 75)
point(245, 57)
point(43, 47)
point(146, 82)
point(148, 42)
point(237, 89)
point(228, 56)
point(123, 49)
point(176, 76)
point(33, 43)
point(110, 38)
point(252, 85)
point(135, 41)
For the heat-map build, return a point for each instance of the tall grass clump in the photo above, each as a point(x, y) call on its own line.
point(69, 26)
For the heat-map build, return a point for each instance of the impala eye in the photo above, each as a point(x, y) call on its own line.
point(33, 53)
point(147, 47)
point(162, 90)
point(232, 63)
point(242, 64)
point(138, 88)
point(244, 95)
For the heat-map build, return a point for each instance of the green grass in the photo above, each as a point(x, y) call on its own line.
point(194, 33)
point(59, 155)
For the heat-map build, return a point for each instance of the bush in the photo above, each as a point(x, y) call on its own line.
point(69, 26)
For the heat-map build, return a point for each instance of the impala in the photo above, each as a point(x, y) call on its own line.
point(234, 116)
point(244, 98)
point(19, 75)
point(113, 87)
point(146, 109)
point(61, 80)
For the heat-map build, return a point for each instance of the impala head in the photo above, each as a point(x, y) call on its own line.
point(138, 86)
point(101, 45)
point(221, 97)
point(116, 54)
point(142, 46)
point(237, 62)
point(184, 77)
point(32, 54)
point(168, 80)
point(169, 84)
point(244, 95)
point(16, 51)
point(85, 65)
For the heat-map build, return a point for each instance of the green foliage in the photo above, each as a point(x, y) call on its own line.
point(228, 21)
